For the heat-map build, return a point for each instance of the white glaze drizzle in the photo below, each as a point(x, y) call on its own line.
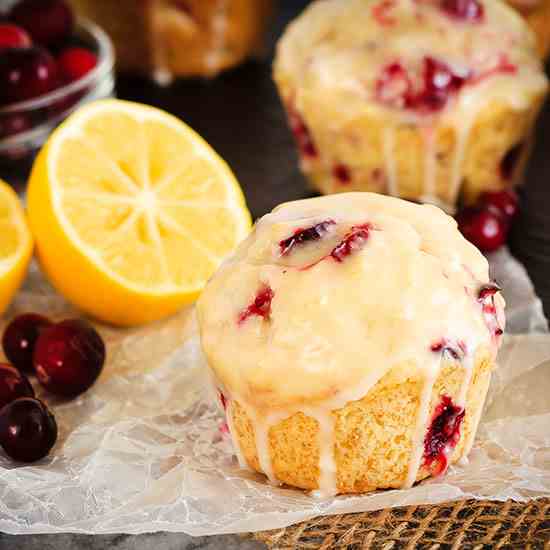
point(232, 432)
point(326, 440)
point(422, 422)
point(468, 365)
point(429, 135)
point(389, 158)
point(473, 428)
point(261, 436)
point(462, 130)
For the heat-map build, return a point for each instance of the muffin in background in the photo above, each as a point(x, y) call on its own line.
point(351, 339)
point(180, 38)
point(422, 100)
point(537, 15)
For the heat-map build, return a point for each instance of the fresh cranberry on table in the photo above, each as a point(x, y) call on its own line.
point(13, 384)
point(506, 202)
point(20, 338)
point(26, 74)
point(483, 227)
point(76, 62)
point(12, 36)
point(466, 10)
point(47, 21)
point(28, 430)
point(69, 357)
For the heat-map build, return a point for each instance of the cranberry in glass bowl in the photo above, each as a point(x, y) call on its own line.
point(47, 21)
point(26, 73)
point(26, 123)
point(12, 36)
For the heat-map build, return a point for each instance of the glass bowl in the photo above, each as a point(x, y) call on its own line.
point(26, 125)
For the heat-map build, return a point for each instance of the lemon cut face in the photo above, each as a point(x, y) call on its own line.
point(15, 245)
point(140, 210)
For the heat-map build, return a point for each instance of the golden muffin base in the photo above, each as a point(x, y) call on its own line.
point(167, 38)
point(373, 436)
point(358, 143)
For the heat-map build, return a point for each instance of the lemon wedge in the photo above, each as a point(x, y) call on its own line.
point(132, 211)
point(15, 245)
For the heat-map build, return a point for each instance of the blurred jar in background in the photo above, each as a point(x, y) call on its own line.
point(180, 38)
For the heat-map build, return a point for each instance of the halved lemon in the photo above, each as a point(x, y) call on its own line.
point(132, 211)
point(15, 245)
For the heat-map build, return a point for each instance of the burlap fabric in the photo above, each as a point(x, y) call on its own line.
point(472, 524)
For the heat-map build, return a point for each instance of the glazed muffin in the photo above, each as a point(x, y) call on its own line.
point(537, 15)
point(167, 38)
point(352, 339)
point(420, 100)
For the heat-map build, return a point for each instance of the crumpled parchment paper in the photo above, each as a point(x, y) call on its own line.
point(143, 451)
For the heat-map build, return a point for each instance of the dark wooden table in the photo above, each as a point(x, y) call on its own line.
point(239, 113)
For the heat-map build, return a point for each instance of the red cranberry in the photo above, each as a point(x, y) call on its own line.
point(342, 174)
point(353, 241)
point(28, 430)
point(487, 291)
point(486, 297)
point(68, 357)
point(467, 10)
point(510, 161)
point(48, 21)
point(382, 13)
point(74, 63)
point(483, 227)
point(301, 236)
point(506, 202)
point(20, 339)
point(394, 87)
point(457, 351)
point(440, 82)
point(261, 306)
point(14, 123)
point(302, 134)
point(12, 36)
point(13, 384)
point(26, 74)
point(443, 433)
point(224, 428)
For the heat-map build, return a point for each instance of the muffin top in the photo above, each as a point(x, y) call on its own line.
point(410, 58)
point(329, 294)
